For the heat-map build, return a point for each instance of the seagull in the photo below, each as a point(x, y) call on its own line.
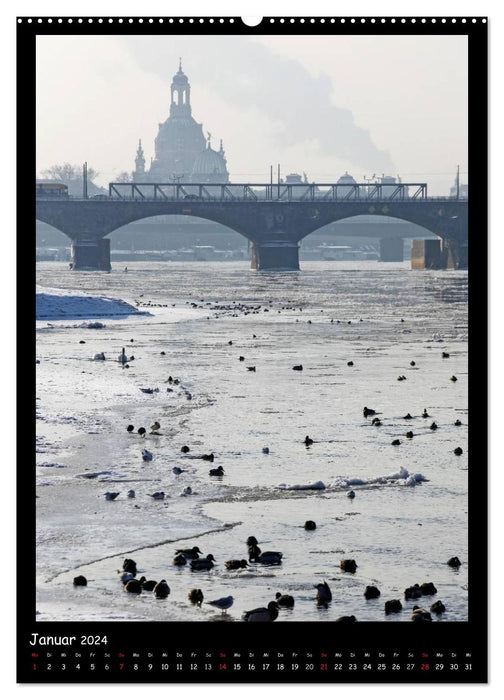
point(178, 470)
point(131, 493)
point(111, 496)
point(324, 594)
point(222, 603)
point(268, 614)
point(157, 495)
point(146, 456)
point(162, 589)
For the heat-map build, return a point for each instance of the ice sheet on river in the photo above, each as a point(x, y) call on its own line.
point(400, 478)
point(59, 304)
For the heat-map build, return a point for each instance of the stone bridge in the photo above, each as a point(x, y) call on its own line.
point(274, 222)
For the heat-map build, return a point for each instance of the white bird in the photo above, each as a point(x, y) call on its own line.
point(157, 495)
point(222, 603)
point(146, 456)
point(110, 496)
point(125, 576)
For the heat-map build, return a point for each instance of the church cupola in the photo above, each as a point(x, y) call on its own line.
point(140, 159)
point(180, 94)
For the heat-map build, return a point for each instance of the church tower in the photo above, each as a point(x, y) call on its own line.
point(181, 151)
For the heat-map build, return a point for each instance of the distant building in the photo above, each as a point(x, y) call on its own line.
point(181, 151)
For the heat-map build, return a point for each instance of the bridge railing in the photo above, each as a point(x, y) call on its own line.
point(256, 192)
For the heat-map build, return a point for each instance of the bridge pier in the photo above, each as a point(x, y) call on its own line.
point(275, 255)
point(91, 254)
point(391, 250)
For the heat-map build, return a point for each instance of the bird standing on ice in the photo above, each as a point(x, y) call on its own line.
point(146, 456)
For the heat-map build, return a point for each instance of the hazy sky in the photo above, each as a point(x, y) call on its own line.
point(322, 105)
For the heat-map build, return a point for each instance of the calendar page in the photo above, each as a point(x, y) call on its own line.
point(260, 322)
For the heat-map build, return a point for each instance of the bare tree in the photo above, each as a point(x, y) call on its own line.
point(69, 173)
point(124, 177)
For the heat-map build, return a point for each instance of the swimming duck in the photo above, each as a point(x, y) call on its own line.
point(346, 618)
point(392, 606)
point(458, 451)
point(368, 412)
point(413, 592)
point(130, 565)
point(428, 588)
point(141, 432)
point(111, 495)
point(258, 557)
point(324, 594)
point(192, 553)
point(125, 576)
point(155, 427)
point(208, 458)
point(351, 494)
point(218, 471)
point(233, 564)
point(454, 562)
point(453, 378)
point(348, 565)
point(284, 601)
point(433, 426)
point(241, 358)
point(187, 491)
point(371, 592)
point(178, 470)
point(179, 560)
point(80, 581)
point(457, 422)
point(146, 456)
point(410, 434)
point(99, 356)
point(195, 595)
point(131, 494)
point(157, 495)
point(395, 442)
point(350, 363)
point(130, 428)
point(148, 585)
point(251, 541)
point(133, 586)
point(438, 607)
point(310, 525)
point(222, 603)
point(184, 449)
point(445, 354)
point(408, 416)
point(298, 368)
point(308, 441)
point(376, 421)
point(268, 614)
point(425, 414)
point(203, 564)
point(412, 363)
point(162, 589)
point(251, 369)
point(265, 450)
point(420, 615)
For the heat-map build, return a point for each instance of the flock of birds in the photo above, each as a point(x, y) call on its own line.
point(269, 613)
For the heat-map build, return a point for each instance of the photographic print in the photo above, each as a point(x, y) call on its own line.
point(260, 284)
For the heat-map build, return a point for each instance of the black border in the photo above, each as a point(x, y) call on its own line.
point(373, 637)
